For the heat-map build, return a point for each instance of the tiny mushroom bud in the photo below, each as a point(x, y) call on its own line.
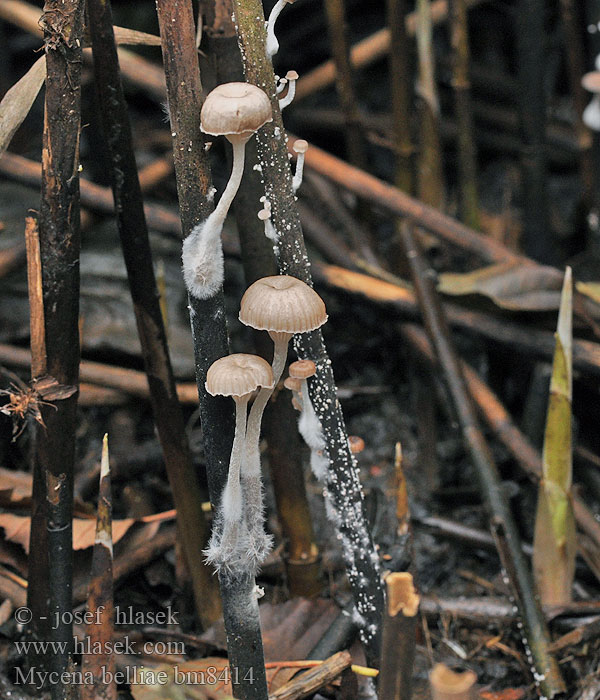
point(291, 77)
point(236, 111)
point(357, 444)
point(591, 114)
point(300, 147)
point(272, 44)
point(281, 83)
point(238, 376)
point(295, 386)
point(265, 216)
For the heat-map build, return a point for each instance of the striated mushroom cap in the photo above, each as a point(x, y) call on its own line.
point(300, 146)
point(302, 369)
point(237, 375)
point(282, 304)
point(235, 110)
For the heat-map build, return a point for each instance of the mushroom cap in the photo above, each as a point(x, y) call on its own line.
point(356, 443)
point(292, 75)
point(235, 109)
point(302, 369)
point(591, 81)
point(282, 304)
point(300, 146)
point(237, 375)
point(292, 383)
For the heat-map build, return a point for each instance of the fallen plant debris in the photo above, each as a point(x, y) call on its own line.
point(379, 539)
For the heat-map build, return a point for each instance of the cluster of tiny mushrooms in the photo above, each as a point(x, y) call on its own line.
point(281, 305)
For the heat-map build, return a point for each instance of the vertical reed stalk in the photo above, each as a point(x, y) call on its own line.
point(575, 54)
point(209, 331)
point(192, 526)
point(467, 153)
point(343, 489)
point(531, 53)
point(59, 254)
point(400, 84)
point(344, 82)
point(430, 176)
point(279, 424)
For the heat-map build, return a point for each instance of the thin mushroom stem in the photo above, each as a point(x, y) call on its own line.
point(259, 542)
point(226, 538)
point(289, 96)
point(202, 254)
point(272, 44)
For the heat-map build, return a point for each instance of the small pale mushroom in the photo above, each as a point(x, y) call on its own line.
point(283, 306)
point(295, 386)
point(265, 216)
point(272, 45)
point(291, 76)
point(236, 111)
point(238, 376)
point(300, 147)
point(591, 114)
point(309, 424)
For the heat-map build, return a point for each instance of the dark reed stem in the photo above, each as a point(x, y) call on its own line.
point(209, 331)
point(400, 84)
point(344, 81)
point(536, 637)
point(466, 150)
point(531, 52)
point(59, 254)
point(430, 177)
point(571, 16)
point(343, 487)
point(135, 243)
point(302, 561)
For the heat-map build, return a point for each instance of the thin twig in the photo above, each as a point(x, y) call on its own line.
point(535, 633)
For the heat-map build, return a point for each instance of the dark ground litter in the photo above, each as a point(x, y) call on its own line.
point(374, 368)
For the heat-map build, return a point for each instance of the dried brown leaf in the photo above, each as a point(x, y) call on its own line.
point(17, 102)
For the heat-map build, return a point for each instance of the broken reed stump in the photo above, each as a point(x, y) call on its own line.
point(284, 450)
point(59, 255)
point(135, 243)
point(209, 331)
point(342, 489)
point(399, 638)
point(100, 602)
point(536, 637)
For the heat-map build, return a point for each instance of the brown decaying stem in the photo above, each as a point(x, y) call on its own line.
point(135, 243)
point(361, 557)
point(344, 81)
point(430, 177)
point(399, 638)
point(400, 85)
point(37, 592)
point(500, 421)
point(367, 51)
point(59, 254)
point(302, 559)
point(466, 152)
point(209, 331)
point(100, 602)
point(535, 633)
point(309, 682)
